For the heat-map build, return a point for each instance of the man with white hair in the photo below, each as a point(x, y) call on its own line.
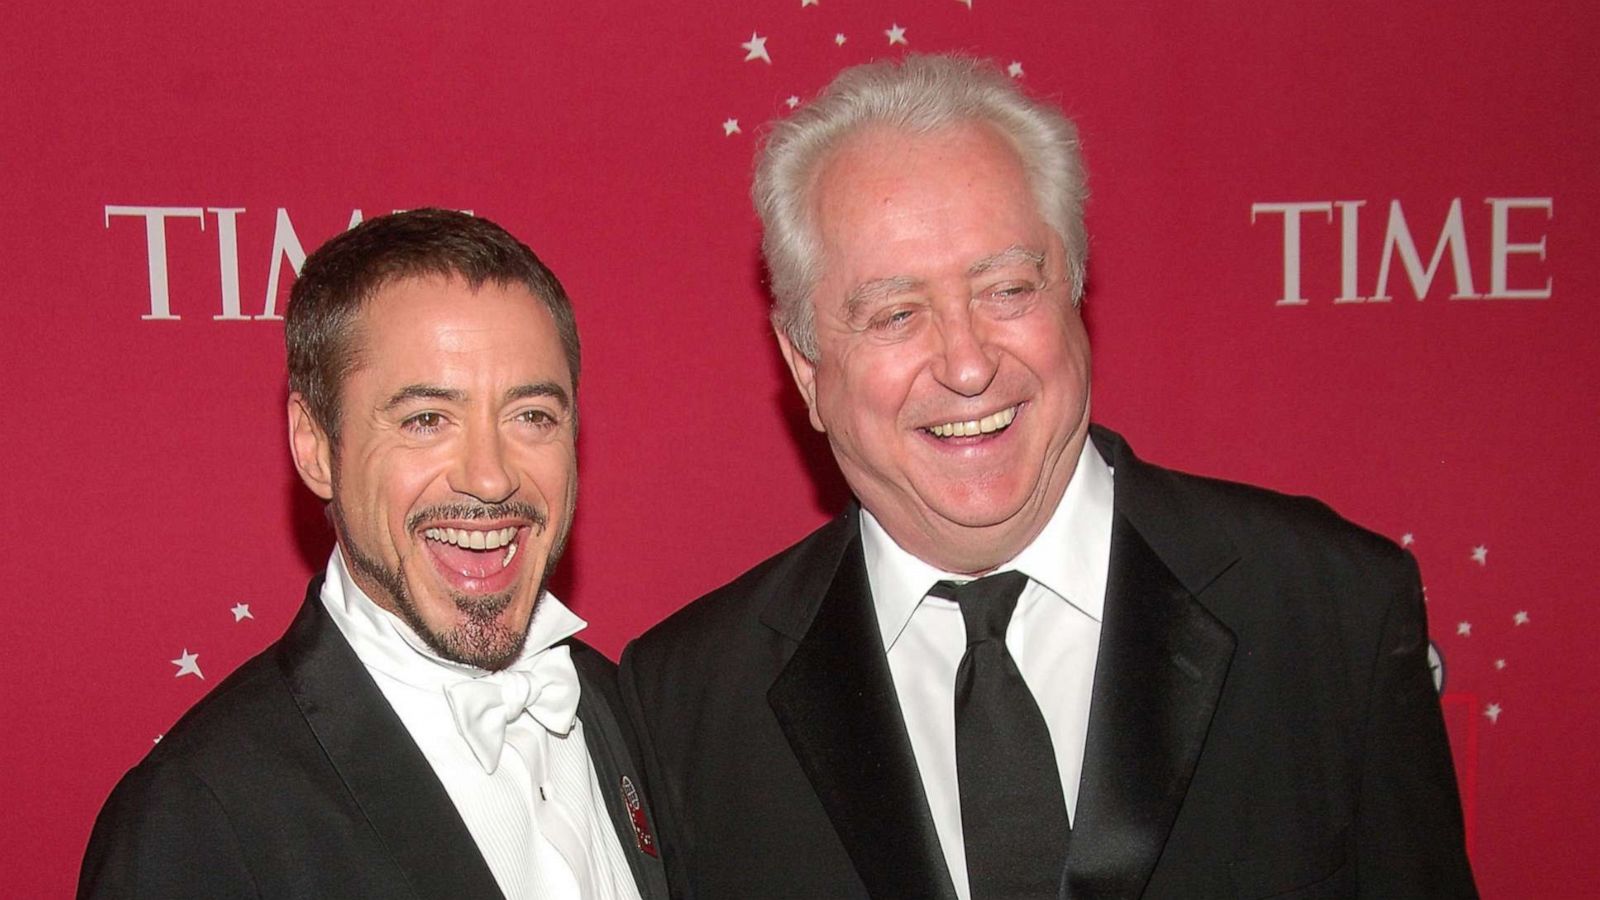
point(1025, 663)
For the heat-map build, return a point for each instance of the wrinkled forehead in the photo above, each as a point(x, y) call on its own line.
point(958, 195)
point(879, 150)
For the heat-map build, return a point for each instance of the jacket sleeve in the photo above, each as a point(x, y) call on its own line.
point(163, 834)
point(1410, 836)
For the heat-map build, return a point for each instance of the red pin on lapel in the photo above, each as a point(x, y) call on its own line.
point(641, 828)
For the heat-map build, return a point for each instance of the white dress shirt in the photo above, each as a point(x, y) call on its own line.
point(542, 805)
point(1054, 638)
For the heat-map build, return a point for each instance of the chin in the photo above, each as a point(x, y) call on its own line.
point(487, 643)
point(485, 631)
point(984, 510)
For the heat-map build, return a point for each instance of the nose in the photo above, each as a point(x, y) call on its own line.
point(482, 471)
point(965, 362)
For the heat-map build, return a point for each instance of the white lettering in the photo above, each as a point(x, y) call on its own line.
point(1349, 214)
point(228, 262)
point(155, 238)
point(1291, 242)
point(1500, 247)
point(285, 246)
point(1453, 236)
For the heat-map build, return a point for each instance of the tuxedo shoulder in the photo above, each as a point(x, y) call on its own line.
point(1286, 573)
point(1258, 517)
point(1184, 509)
point(238, 732)
point(1320, 570)
point(803, 569)
point(247, 705)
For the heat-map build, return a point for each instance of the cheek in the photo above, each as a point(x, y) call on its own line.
point(406, 485)
point(1060, 352)
point(874, 386)
point(864, 417)
point(551, 470)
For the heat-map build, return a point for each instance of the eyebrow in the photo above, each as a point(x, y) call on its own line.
point(1012, 255)
point(876, 290)
point(452, 395)
point(422, 392)
point(868, 292)
point(540, 389)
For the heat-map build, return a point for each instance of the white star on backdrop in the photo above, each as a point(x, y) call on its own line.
point(1480, 555)
point(1464, 629)
point(1492, 713)
point(1521, 618)
point(1499, 664)
point(188, 664)
point(241, 611)
point(730, 127)
point(839, 39)
point(1407, 539)
point(897, 35)
point(966, 3)
point(1014, 70)
point(806, 3)
point(756, 48)
point(792, 102)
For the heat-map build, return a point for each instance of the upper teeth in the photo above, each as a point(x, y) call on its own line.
point(990, 423)
point(472, 540)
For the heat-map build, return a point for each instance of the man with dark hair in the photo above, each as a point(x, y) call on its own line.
point(427, 726)
point(1028, 664)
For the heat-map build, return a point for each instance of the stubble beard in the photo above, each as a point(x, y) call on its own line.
point(479, 639)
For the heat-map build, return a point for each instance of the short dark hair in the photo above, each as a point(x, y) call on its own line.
point(322, 321)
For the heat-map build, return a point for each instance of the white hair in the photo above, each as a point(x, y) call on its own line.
point(919, 94)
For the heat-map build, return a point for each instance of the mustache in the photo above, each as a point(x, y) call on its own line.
point(470, 512)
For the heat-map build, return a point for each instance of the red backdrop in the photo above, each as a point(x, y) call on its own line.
point(145, 389)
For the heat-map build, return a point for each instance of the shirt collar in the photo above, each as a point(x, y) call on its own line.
point(383, 641)
point(1070, 557)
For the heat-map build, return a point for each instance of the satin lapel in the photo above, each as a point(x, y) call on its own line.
point(836, 703)
point(620, 786)
point(381, 766)
point(1162, 662)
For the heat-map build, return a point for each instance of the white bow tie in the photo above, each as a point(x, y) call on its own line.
point(483, 707)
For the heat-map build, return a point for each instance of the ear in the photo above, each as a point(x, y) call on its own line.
point(311, 448)
point(805, 377)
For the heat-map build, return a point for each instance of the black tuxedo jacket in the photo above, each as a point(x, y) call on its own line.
point(295, 778)
point(1262, 722)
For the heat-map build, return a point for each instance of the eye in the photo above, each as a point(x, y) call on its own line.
point(1012, 298)
point(538, 418)
point(893, 319)
point(423, 422)
point(1013, 291)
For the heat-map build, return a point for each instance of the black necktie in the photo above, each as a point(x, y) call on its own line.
point(1013, 817)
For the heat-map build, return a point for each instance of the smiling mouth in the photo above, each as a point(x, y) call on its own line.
point(990, 424)
point(475, 553)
